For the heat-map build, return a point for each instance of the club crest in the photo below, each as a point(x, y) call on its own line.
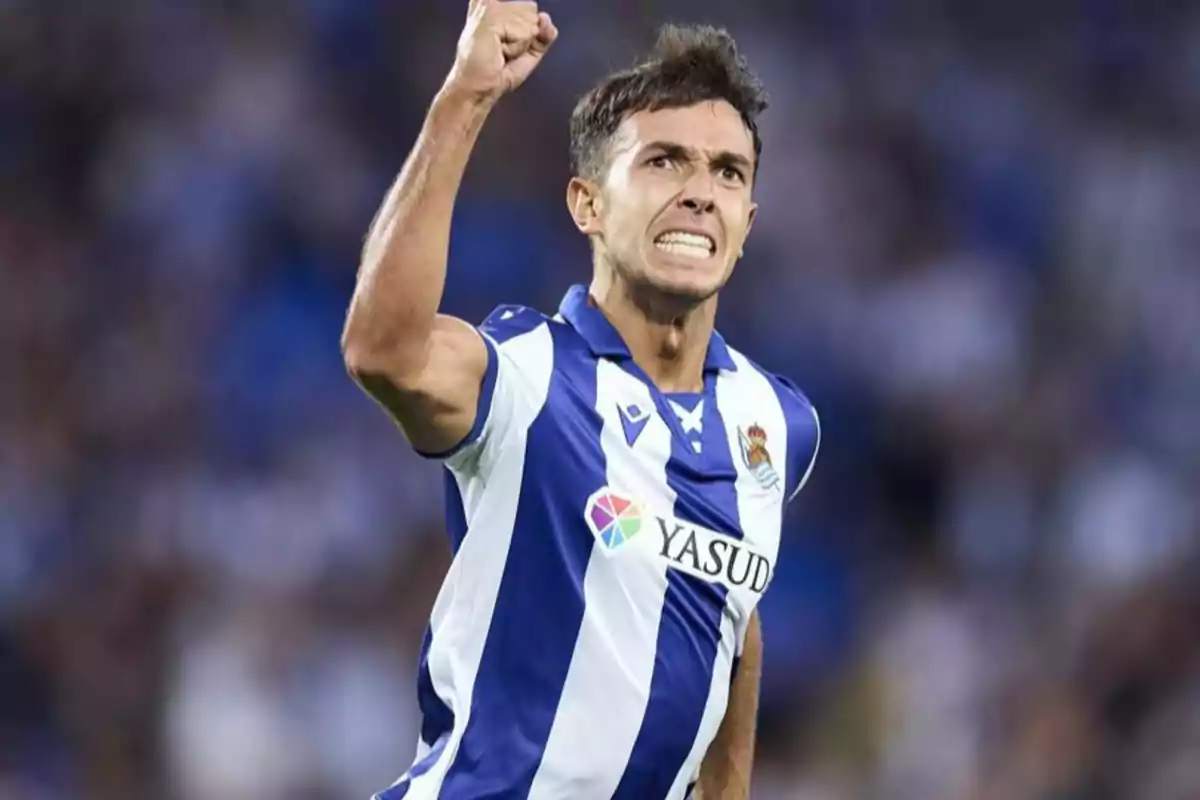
point(757, 458)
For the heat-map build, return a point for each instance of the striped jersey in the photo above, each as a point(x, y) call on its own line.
point(610, 543)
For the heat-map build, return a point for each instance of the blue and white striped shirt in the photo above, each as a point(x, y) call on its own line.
point(610, 543)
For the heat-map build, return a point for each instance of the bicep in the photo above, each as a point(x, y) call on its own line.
point(437, 408)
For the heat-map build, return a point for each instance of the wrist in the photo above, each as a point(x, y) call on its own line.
point(457, 112)
point(458, 97)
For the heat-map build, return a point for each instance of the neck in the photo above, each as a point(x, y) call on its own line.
point(667, 338)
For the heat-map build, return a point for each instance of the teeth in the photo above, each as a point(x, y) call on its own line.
point(688, 244)
point(678, 249)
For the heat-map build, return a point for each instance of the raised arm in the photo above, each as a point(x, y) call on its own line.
point(423, 367)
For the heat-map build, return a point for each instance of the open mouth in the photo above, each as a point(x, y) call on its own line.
point(694, 245)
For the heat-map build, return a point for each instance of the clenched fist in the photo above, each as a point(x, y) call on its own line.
point(501, 44)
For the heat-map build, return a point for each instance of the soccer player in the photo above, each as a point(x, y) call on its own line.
point(616, 473)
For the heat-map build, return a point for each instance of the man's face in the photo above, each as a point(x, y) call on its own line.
point(674, 206)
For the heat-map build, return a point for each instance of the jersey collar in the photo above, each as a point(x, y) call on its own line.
point(605, 341)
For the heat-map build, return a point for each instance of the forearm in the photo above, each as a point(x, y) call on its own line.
point(725, 773)
point(403, 270)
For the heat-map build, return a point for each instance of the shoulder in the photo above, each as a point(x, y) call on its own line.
point(520, 344)
point(520, 361)
point(508, 321)
point(797, 408)
point(800, 417)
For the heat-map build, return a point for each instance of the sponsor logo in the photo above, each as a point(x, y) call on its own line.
point(615, 520)
point(757, 458)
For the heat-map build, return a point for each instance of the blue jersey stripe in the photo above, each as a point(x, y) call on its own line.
point(436, 717)
point(690, 627)
point(687, 646)
point(456, 514)
point(540, 605)
point(803, 432)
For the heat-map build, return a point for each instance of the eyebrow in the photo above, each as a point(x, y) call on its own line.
point(722, 158)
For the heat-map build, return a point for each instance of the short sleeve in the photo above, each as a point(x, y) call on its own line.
point(513, 388)
point(804, 435)
point(487, 391)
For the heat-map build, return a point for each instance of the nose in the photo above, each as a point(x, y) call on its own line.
point(697, 194)
point(698, 204)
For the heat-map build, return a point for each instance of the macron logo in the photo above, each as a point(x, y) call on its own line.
point(633, 420)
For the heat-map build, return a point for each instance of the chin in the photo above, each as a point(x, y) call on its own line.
point(692, 289)
point(685, 279)
point(666, 286)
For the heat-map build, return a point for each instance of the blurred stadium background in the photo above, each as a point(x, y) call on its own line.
point(978, 252)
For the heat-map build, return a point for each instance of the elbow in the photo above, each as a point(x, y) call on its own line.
point(364, 351)
point(365, 361)
point(360, 362)
point(372, 363)
point(358, 356)
point(380, 344)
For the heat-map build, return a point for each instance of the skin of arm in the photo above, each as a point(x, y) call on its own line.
point(423, 367)
point(725, 771)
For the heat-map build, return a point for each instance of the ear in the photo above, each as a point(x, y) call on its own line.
point(585, 204)
point(749, 225)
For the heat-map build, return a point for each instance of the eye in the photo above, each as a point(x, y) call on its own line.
point(732, 174)
point(660, 161)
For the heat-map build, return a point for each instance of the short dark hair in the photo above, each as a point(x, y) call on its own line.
point(689, 64)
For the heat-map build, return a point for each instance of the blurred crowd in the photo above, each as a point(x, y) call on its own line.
point(978, 252)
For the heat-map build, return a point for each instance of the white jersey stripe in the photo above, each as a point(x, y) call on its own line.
point(587, 751)
point(747, 398)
